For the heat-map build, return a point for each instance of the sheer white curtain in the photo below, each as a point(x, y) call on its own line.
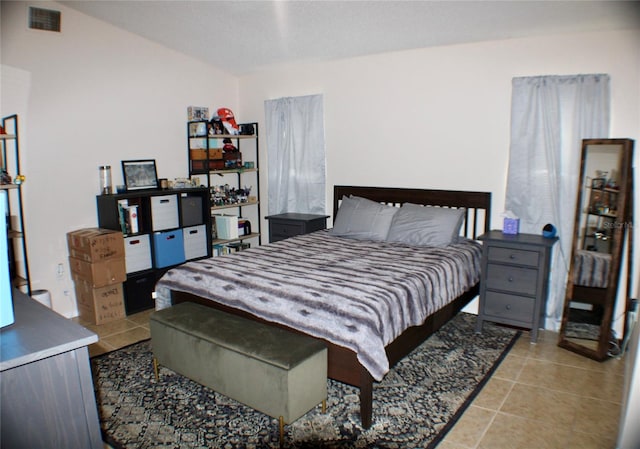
point(550, 115)
point(296, 154)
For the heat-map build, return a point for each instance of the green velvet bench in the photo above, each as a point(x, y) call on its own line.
point(272, 370)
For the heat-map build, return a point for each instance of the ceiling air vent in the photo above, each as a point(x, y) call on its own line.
point(44, 19)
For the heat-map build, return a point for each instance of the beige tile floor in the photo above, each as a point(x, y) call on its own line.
point(541, 396)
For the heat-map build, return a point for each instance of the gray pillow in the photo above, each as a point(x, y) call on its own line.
point(426, 225)
point(363, 219)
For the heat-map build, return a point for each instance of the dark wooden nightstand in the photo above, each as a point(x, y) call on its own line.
point(283, 226)
point(514, 280)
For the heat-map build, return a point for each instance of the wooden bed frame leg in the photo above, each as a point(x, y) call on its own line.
point(366, 398)
point(155, 369)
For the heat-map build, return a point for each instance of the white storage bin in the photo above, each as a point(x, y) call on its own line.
point(164, 212)
point(137, 250)
point(226, 226)
point(195, 241)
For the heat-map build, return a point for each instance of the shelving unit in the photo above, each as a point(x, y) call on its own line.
point(600, 216)
point(221, 169)
point(16, 235)
point(172, 226)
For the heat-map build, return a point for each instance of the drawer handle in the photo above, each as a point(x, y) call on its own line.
point(512, 256)
point(510, 279)
point(508, 307)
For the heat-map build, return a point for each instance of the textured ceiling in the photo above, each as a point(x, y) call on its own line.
point(245, 36)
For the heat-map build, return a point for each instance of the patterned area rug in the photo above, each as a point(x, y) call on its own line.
point(414, 406)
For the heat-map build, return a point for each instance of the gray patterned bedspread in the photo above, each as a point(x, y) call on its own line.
point(591, 269)
point(356, 294)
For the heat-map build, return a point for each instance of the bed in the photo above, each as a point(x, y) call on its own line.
point(355, 283)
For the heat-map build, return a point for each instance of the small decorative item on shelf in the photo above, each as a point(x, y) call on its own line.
point(181, 183)
point(228, 121)
point(198, 129)
point(216, 127)
point(105, 180)
point(247, 130)
point(19, 179)
point(227, 195)
point(228, 146)
point(232, 159)
point(195, 113)
point(5, 178)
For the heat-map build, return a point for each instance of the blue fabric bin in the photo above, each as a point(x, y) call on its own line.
point(169, 248)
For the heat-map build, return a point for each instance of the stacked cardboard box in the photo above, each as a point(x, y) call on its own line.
point(97, 264)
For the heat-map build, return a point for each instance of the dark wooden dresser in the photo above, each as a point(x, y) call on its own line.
point(283, 226)
point(514, 280)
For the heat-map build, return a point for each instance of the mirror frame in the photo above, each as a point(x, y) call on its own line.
point(622, 234)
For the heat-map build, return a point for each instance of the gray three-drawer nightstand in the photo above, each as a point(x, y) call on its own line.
point(514, 280)
point(283, 226)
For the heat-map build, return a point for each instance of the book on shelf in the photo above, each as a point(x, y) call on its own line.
point(128, 217)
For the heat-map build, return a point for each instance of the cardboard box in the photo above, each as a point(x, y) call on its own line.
point(100, 305)
point(99, 274)
point(95, 244)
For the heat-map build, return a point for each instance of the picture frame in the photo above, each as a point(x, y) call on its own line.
point(140, 174)
point(197, 113)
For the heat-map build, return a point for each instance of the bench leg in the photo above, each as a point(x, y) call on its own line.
point(155, 369)
point(281, 420)
point(324, 406)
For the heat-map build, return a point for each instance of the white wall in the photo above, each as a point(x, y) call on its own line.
point(434, 117)
point(440, 117)
point(88, 96)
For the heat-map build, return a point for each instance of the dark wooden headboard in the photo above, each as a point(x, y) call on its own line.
point(477, 204)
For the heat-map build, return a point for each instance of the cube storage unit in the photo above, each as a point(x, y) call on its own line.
point(172, 226)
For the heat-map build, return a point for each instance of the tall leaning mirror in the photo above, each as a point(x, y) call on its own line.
point(602, 235)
